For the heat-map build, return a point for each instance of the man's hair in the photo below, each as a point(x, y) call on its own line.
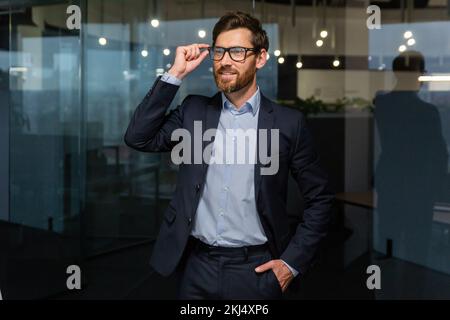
point(237, 19)
point(409, 61)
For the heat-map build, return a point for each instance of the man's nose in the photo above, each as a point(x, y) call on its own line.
point(226, 60)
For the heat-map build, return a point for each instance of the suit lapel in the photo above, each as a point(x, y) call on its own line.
point(213, 111)
point(211, 121)
point(265, 121)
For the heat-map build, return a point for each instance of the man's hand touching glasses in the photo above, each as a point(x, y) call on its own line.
point(187, 58)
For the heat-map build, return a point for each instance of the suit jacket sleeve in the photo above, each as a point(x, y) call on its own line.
point(318, 197)
point(150, 128)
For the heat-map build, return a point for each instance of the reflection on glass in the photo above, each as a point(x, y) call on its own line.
point(43, 228)
point(412, 167)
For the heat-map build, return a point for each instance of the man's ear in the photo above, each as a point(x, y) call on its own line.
point(261, 59)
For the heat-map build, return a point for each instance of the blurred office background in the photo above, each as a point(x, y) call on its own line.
point(71, 192)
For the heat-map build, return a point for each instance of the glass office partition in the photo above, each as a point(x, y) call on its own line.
point(412, 113)
point(43, 107)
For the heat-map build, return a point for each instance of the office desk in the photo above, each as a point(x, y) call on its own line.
point(359, 199)
point(441, 211)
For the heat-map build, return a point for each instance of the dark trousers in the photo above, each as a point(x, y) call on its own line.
point(226, 273)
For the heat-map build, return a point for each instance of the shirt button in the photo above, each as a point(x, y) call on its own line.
point(225, 188)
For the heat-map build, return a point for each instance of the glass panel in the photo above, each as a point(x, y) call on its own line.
point(413, 139)
point(43, 106)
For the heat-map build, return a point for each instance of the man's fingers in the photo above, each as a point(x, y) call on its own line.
point(203, 50)
point(193, 53)
point(190, 54)
point(204, 54)
point(201, 57)
point(264, 267)
point(192, 48)
point(185, 52)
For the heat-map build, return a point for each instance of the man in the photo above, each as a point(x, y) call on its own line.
point(226, 230)
point(412, 167)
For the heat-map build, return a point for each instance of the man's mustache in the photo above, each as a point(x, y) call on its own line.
point(226, 71)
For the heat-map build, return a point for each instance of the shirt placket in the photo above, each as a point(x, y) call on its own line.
point(227, 172)
point(223, 200)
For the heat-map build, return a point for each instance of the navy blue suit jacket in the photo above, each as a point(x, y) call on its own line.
point(150, 130)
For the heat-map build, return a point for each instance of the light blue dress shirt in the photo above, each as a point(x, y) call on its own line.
point(227, 215)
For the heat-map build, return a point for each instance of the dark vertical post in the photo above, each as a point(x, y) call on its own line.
point(287, 76)
point(82, 133)
point(4, 120)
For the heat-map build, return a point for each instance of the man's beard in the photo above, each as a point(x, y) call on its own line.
point(240, 81)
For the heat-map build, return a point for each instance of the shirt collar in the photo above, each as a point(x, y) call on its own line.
point(251, 104)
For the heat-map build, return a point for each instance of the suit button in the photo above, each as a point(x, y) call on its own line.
point(197, 187)
point(189, 221)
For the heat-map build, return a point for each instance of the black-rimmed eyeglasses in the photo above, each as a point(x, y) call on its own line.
point(237, 54)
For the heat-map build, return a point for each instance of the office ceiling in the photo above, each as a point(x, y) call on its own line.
point(4, 4)
point(342, 3)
